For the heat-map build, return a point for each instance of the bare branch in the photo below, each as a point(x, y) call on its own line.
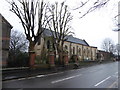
point(117, 16)
point(31, 14)
point(95, 6)
point(83, 4)
point(60, 18)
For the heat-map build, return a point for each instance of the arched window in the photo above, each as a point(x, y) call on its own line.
point(48, 44)
point(80, 51)
point(77, 50)
point(84, 51)
point(87, 52)
point(73, 50)
point(66, 48)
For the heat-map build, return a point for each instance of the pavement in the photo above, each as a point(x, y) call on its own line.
point(25, 72)
point(17, 73)
point(96, 76)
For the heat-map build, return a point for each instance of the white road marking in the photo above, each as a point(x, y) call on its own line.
point(31, 77)
point(9, 81)
point(65, 79)
point(10, 77)
point(21, 78)
point(102, 81)
point(54, 73)
point(40, 76)
point(48, 74)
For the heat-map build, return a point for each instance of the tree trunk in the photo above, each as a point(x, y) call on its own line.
point(60, 53)
point(31, 54)
point(61, 58)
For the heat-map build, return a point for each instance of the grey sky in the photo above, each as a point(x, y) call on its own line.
point(94, 27)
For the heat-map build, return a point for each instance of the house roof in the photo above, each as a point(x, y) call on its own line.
point(76, 40)
point(5, 21)
point(70, 38)
point(47, 32)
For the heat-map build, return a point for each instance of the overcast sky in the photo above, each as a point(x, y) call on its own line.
point(94, 27)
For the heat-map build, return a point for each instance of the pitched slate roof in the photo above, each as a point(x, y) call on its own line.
point(77, 40)
point(69, 38)
point(47, 32)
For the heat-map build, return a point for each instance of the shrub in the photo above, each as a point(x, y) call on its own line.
point(20, 60)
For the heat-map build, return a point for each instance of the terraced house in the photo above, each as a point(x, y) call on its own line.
point(74, 46)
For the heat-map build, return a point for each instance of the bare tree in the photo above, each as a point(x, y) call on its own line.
point(31, 14)
point(59, 25)
point(18, 45)
point(18, 42)
point(108, 45)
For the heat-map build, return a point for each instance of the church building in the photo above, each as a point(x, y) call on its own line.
point(73, 45)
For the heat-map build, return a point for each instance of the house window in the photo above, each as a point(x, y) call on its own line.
point(77, 50)
point(66, 47)
point(84, 51)
point(48, 44)
point(80, 51)
point(91, 53)
point(73, 50)
point(88, 52)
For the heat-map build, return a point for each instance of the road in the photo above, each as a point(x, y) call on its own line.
point(98, 76)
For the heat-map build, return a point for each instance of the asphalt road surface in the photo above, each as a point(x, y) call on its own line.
point(98, 76)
